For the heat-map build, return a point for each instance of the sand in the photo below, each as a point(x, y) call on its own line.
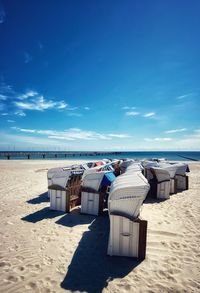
point(46, 251)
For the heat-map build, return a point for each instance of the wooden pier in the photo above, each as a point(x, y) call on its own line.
point(50, 155)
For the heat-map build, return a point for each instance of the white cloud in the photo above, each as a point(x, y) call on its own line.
point(150, 114)
point(86, 108)
point(161, 139)
point(73, 134)
point(6, 88)
point(4, 114)
point(119, 135)
point(132, 113)
point(27, 95)
point(21, 140)
point(3, 97)
point(10, 121)
point(184, 96)
point(39, 103)
point(28, 130)
point(20, 113)
point(23, 129)
point(60, 137)
point(128, 108)
point(60, 105)
point(176, 130)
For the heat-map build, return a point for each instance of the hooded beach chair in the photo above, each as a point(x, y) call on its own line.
point(160, 183)
point(171, 168)
point(65, 190)
point(127, 232)
point(93, 191)
point(125, 164)
point(182, 177)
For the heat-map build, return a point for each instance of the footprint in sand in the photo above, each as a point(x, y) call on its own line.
point(12, 278)
point(31, 285)
point(4, 264)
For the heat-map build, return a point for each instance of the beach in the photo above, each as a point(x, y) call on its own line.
point(49, 251)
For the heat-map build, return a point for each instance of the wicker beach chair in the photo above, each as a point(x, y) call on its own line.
point(65, 191)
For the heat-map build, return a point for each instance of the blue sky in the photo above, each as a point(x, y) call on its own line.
point(99, 75)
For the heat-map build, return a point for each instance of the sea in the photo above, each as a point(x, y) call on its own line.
point(137, 155)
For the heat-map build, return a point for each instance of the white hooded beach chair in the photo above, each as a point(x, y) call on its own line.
point(127, 232)
point(127, 194)
point(134, 167)
point(65, 190)
point(92, 195)
point(127, 237)
point(178, 177)
point(181, 176)
point(171, 168)
point(51, 172)
point(125, 164)
point(147, 165)
point(160, 184)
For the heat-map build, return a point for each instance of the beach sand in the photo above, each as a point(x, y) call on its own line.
point(48, 251)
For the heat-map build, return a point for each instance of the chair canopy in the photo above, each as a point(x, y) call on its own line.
point(127, 194)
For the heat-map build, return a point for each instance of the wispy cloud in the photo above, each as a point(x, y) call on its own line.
point(27, 57)
point(39, 103)
point(3, 97)
point(160, 139)
point(10, 121)
point(119, 135)
point(73, 134)
point(2, 14)
point(87, 108)
point(23, 129)
point(132, 113)
point(19, 103)
point(25, 139)
point(176, 130)
point(149, 115)
point(6, 89)
point(184, 96)
point(4, 114)
point(128, 108)
point(27, 95)
point(20, 113)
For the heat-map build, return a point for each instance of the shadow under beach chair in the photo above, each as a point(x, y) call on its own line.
point(43, 197)
point(74, 218)
point(42, 214)
point(91, 268)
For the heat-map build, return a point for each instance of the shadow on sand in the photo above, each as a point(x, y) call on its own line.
point(42, 214)
point(43, 197)
point(74, 218)
point(153, 200)
point(91, 268)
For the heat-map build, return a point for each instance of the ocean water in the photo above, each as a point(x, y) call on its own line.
point(169, 155)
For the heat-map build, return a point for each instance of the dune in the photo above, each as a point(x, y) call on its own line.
point(49, 251)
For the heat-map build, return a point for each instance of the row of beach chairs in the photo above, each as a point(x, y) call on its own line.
point(121, 186)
